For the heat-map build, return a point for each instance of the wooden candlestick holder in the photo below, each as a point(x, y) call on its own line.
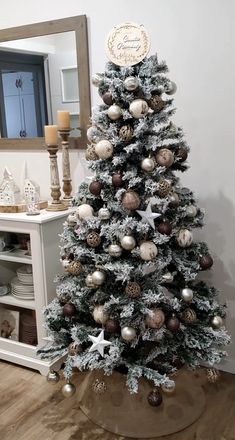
point(56, 204)
point(67, 187)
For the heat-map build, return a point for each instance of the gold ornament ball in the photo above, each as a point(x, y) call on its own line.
point(165, 157)
point(75, 268)
point(128, 333)
point(131, 200)
point(212, 375)
point(155, 319)
point(68, 389)
point(148, 164)
point(184, 238)
point(99, 315)
point(189, 316)
point(104, 214)
point(163, 188)
point(93, 239)
point(128, 242)
point(126, 132)
point(53, 377)
point(85, 212)
point(169, 388)
point(89, 282)
point(187, 294)
point(98, 277)
point(133, 289)
point(217, 322)
point(131, 83)
point(138, 108)
point(104, 149)
point(114, 112)
point(115, 250)
point(148, 250)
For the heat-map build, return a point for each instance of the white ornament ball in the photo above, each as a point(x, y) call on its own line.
point(191, 211)
point(89, 281)
point(97, 79)
point(128, 242)
point(98, 277)
point(104, 214)
point(187, 294)
point(93, 134)
point(217, 322)
point(104, 149)
point(53, 377)
point(99, 315)
point(114, 112)
point(128, 333)
point(171, 88)
point(85, 212)
point(184, 238)
point(115, 250)
point(72, 219)
point(138, 108)
point(169, 388)
point(148, 164)
point(68, 389)
point(131, 83)
point(148, 250)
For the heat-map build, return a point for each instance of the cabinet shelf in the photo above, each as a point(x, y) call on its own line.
point(13, 301)
point(16, 256)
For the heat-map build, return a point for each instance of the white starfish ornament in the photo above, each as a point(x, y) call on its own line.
point(149, 216)
point(99, 343)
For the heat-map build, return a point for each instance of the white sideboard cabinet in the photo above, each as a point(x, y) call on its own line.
point(40, 234)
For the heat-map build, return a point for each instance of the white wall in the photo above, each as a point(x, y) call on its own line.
point(197, 39)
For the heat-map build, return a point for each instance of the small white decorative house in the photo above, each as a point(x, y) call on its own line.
point(9, 191)
point(31, 190)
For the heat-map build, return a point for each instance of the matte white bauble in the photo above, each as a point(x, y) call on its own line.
point(104, 213)
point(148, 164)
point(171, 88)
point(131, 83)
point(191, 211)
point(128, 333)
point(98, 277)
point(138, 108)
point(115, 250)
point(85, 212)
point(93, 134)
point(99, 315)
point(184, 238)
point(187, 294)
point(97, 79)
point(148, 250)
point(104, 149)
point(114, 112)
point(128, 242)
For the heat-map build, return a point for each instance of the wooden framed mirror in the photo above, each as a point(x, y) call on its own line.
point(65, 78)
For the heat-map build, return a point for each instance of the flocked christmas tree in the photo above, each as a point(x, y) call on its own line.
point(129, 298)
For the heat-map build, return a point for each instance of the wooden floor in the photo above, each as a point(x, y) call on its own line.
point(32, 409)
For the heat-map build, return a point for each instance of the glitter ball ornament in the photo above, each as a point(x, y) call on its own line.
point(75, 268)
point(93, 134)
point(69, 310)
point(53, 377)
point(89, 282)
point(97, 79)
point(174, 200)
point(85, 212)
point(212, 375)
point(126, 132)
point(93, 239)
point(182, 154)
point(217, 322)
point(117, 180)
point(171, 88)
point(168, 389)
point(148, 250)
point(155, 397)
point(115, 250)
point(155, 319)
point(131, 200)
point(128, 242)
point(165, 228)
point(98, 277)
point(107, 98)
point(148, 164)
point(184, 238)
point(99, 387)
point(104, 213)
point(95, 187)
point(99, 315)
point(187, 294)
point(68, 389)
point(90, 153)
point(165, 157)
point(74, 349)
point(173, 324)
point(112, 326)
point(133, 289)
point(191, 211)
point(104, 149)
point(206, 261)
point(114, 112)
point(131, 83)
point(156, 103)
point(189, 316)
point(138, 108)
point(128, 333)
point(163, 188)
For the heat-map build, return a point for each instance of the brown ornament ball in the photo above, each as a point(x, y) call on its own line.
point(212, 375)
point(126, 132)
point(74, 349)
point(189, 316)
point(173, 324)
point(165, 157)
point(156, 319)
point(95, 187)
point(156, 103)
point(75, 268)
point(107, 98)
point(90, 153)
point(93, 239)
point(163, 188)
point(174, 200)
point(165, 228)
point(155, 397)
point(69, 310)
point(133, 289)
point(131, 200)
point(112, 326)
point(206, 262)
point(117, 180)
point(182, 154)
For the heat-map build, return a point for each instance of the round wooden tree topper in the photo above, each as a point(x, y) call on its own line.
point(127, 44)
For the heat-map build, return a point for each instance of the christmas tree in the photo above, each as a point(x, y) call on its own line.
point(129, 299)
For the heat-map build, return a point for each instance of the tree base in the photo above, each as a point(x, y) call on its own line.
point(130, 415)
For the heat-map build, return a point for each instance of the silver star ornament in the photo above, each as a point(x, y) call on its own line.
point(149, 216)
point(99, 343)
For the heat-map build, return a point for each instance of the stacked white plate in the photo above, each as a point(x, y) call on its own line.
point(22, 286)
point(25, 274)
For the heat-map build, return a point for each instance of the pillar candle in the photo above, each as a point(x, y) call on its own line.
point(63, 119)
point(51, 135)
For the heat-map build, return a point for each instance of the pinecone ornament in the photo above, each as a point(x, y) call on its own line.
point(126, 132)
point(133, 289)
point(156, 103)
point(189, 316)
point(93, 239)
point(75, 268)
